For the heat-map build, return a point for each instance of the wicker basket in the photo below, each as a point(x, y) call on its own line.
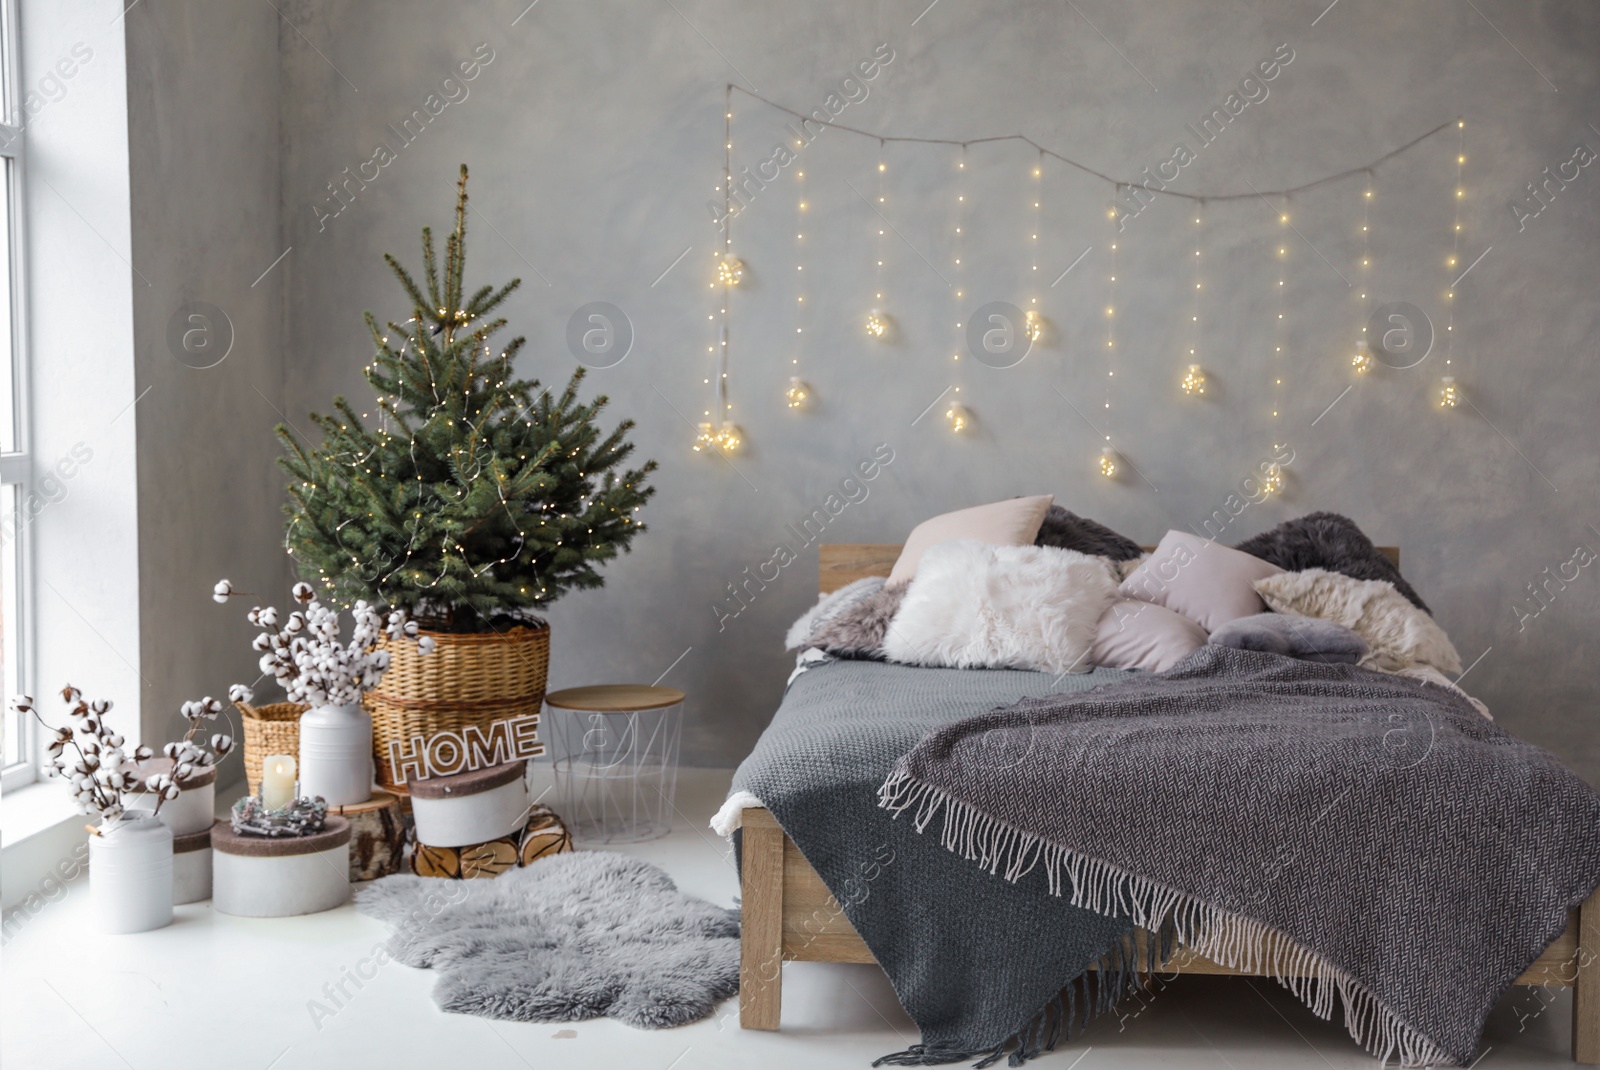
point(474, 678)
point(268, 730)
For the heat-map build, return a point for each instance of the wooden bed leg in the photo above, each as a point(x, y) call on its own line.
point(1586, 986)
point(761, 923)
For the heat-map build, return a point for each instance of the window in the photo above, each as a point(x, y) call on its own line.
point(16, 500)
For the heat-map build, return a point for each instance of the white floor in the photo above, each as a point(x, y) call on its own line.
point(221, 992)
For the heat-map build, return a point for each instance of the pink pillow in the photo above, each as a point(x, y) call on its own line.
point(1013, 522)
point(1205, 581)
point(1138, 635)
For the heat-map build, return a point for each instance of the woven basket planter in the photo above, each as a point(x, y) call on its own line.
point(475, 678)
point(269, 730)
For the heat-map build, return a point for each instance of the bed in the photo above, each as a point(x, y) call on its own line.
point(789, 913)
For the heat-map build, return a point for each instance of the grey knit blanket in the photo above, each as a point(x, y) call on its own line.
point(1368, 840)
point(979, 963)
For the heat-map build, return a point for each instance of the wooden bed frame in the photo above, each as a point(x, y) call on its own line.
point(789, 914)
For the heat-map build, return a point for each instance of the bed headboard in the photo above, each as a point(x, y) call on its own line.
point(840, 563)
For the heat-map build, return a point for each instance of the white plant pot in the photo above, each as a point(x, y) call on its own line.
point(191, 866)
point(130, 875)
point(470, 808)
point(192, 811)
point(336, 754)
point(261, 877)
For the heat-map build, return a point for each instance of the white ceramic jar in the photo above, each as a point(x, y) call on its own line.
point(192, 811)
point(267, 877)
point(336, 754)
point(191, 866)
point(130, 875)
point(470, 808)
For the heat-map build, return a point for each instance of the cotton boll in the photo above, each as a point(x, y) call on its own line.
point(426, 644)
point(269, 617)
point(240, 693)
point(302, 592)
point(221, 591)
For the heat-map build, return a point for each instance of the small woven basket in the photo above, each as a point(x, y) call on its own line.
point(474, 678)
point(268, 730)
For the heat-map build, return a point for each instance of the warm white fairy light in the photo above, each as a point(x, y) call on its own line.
point(1033, 325)
point(1199, 382)
point(1108, 465)
point(798, 393)
point(1361, 361)
point(1449, 392)
point(1449, 395)
point(1272, 477)
point(957, 243)
point(877, 323)
point(957, 417)
point(716, 431)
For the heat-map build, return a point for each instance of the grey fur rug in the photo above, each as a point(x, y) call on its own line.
point(575, 936)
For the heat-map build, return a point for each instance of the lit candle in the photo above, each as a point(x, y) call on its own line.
point(277, 781)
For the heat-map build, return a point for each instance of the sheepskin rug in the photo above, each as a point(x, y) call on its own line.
point(574, 936)
point(976, 605)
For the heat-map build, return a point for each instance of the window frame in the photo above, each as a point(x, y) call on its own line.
point(16, 465)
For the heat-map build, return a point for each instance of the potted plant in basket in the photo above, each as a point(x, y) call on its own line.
point(476, 501)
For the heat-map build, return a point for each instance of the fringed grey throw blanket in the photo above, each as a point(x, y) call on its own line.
point(978, 963)
point(1368, 840)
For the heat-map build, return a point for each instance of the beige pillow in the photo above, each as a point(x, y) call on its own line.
point(1399, 633)
point(1205, 581)
point(1013, 522)
point(1139, 635)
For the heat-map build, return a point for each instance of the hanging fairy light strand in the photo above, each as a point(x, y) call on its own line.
point(956, 415)
point(878, 319)
point(1194, 379)
point(1449, 394)
point(1272, 476)
point(1361, 361)
point(718, 431)
point(797, 394)
point(1033, 318)
point(1108, 454)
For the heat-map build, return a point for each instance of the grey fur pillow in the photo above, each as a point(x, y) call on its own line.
point(858, 630)
point(1067, 530)
point(1306, 638)
point(1332, 542)
point(803, 631)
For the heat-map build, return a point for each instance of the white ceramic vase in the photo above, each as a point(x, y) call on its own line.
point(130, 875)
point(336, 754)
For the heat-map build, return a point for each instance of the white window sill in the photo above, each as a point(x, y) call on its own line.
point(35, 808)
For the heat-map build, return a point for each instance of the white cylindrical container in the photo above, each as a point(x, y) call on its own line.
point(470, 808)
point(130, 875)
point(191, 866)
point(192, 811)
point(336, 754)
point(267, 877)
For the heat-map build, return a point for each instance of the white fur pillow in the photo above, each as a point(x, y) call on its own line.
point(977, 605)
point(1399, 633)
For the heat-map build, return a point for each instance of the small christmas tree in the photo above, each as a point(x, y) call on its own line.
point(478, 495)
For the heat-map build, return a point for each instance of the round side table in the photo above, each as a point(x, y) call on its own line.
point(616, 762)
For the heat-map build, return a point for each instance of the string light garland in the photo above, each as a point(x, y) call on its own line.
point(957, 244)
point(1121, 185)
point(798, 393)
point(1194, 381)
point(1032, 318)
point(957, 416)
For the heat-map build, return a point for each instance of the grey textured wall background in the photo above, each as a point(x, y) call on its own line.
point(595, 139)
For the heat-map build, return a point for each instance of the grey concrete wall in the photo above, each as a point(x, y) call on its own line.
point(595, 138)
point(203, 158)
